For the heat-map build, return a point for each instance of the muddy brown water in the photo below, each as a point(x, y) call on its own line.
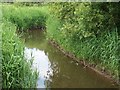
point(57, 70)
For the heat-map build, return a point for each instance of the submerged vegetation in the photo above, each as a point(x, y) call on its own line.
point(88, 30)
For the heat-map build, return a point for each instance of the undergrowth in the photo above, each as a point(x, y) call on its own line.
point(16, 71)
point(25, 17)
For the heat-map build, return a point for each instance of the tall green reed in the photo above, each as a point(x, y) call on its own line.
point(16, 71)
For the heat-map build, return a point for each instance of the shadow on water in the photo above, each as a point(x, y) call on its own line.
point(55, 69)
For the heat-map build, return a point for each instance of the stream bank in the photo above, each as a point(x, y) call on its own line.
point(84, 63)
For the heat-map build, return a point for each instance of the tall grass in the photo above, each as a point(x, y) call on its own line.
point(25, 17)
point(102, 51)
point(16, 71)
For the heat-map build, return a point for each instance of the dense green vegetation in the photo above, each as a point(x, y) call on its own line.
point(25, 17)
point(16, 71)
point(88, 30)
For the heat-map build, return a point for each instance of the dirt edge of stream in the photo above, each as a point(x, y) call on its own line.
point(86, 64)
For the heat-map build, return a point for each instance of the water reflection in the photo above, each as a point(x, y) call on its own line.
point(41, 63)
point(55, 69)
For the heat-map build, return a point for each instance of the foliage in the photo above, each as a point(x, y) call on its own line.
point(25, 17)
point(88, 30)
point(16, 71)
point(88, 19)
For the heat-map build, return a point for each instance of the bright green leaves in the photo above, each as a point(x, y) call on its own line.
point(25, 17)
point(15, 68)
point(89, 18)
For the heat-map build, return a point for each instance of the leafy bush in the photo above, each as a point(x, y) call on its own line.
point(87, 19)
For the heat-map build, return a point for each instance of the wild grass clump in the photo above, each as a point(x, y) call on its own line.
point(16, 71)
point(25, 17)
point(102, 51)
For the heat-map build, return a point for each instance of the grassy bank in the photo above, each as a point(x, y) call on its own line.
point(16, 71)
point(25, 17)
point(88, 32)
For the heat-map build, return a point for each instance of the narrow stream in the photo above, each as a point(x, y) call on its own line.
point(55, 69)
